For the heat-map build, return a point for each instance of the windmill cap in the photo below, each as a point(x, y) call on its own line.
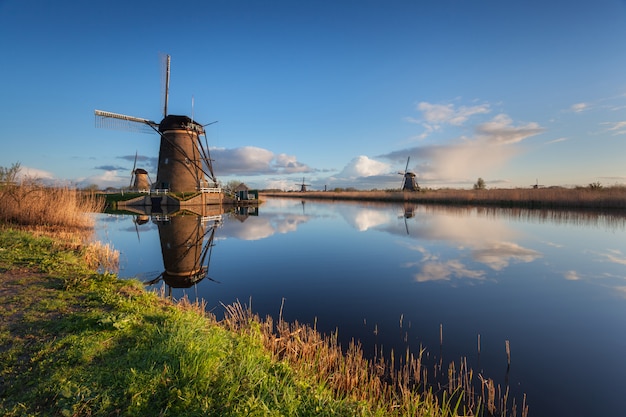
point(173, 122)
point(140, 171)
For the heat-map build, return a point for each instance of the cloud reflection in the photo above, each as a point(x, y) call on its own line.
point(500, 254)
point(444, 271)
point(257, 228)
point(365, 218)
point(615, 256)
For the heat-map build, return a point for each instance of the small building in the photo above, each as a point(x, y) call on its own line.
point(244, 193)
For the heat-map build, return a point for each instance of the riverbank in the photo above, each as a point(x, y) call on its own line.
point(76, 342)
point(608, 198)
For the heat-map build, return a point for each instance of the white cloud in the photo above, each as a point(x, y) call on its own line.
point(362, 166)
point(493, 145)
point(501, 131)
point(251, 160)
point(34, 173)
point(571, 275)
point(109, 178)
point(556, 141)
point(618, 128)
point(438, 114)
point(579, 107)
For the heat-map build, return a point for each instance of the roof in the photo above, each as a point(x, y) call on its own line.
point(242, 187)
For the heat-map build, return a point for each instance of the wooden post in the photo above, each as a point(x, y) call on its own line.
point(508, 352)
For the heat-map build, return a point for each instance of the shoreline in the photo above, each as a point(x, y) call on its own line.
point(610, 198)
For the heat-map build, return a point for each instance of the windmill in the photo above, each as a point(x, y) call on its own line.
point(139, 178)
point(184, 161)
point(408, 179)
point(536, 184)
point(303, 186)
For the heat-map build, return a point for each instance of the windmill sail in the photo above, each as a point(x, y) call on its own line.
point(110, 120)
point(165, 82)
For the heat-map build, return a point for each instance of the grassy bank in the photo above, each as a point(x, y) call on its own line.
point(77, 343)
point(588, 197)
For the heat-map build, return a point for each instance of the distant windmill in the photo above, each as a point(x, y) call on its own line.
point(303, 186)
point(408, 179)
point(184, 161)
point(536, 184)
point(139, 179)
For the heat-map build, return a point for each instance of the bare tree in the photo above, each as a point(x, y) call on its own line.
point(8, 176)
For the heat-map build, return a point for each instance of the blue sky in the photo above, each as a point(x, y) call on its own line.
point(338, 92)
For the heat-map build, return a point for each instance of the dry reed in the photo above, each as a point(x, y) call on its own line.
point(62, 213)
point(553, 197)
point(32, 204)
point(397, 385)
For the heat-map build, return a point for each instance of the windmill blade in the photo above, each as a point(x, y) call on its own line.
point(137, 229)
point(109, 120)
point(407, 164)
point(165, 74)
point(132, 173)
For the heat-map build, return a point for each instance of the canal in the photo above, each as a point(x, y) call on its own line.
point(459, 282)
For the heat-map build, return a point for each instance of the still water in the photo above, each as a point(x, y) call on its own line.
point(551, 283)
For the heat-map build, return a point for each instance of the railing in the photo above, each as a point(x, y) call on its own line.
point(160, 217)
point(216, 190)
point(158, 191)
point(215, 218)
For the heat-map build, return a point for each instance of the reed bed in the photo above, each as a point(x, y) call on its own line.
point(61, 213)
point(557, 197)
point(395, 385)
point(32, 204)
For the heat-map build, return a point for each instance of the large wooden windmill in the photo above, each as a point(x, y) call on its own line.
point(184, 161)
point(408, 180)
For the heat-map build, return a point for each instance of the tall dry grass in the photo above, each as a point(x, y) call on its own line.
point(62, 213)
point(32, 204)
point(558, 197)
point(397, 384)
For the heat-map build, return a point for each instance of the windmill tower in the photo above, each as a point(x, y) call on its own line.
point(139, 178)
point(303, 186)
point(185, 164)
point(408, 179)
point(142, 180)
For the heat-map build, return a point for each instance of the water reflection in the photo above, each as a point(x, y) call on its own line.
point(187, 241)
point(186, 247)
point(553, 283)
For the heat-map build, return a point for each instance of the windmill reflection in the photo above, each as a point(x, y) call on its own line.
point(186, 246)
point(409, 212)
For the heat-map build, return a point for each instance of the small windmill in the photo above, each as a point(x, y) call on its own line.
point(536, 184)
point(184, 161)
point(303, 186)
point(408, 179)
point(139, 178)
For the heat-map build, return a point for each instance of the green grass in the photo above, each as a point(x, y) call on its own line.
point(77, 343)
point(91, 344)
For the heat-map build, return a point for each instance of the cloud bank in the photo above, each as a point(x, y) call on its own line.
point(251, 160)
point(492, 144)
